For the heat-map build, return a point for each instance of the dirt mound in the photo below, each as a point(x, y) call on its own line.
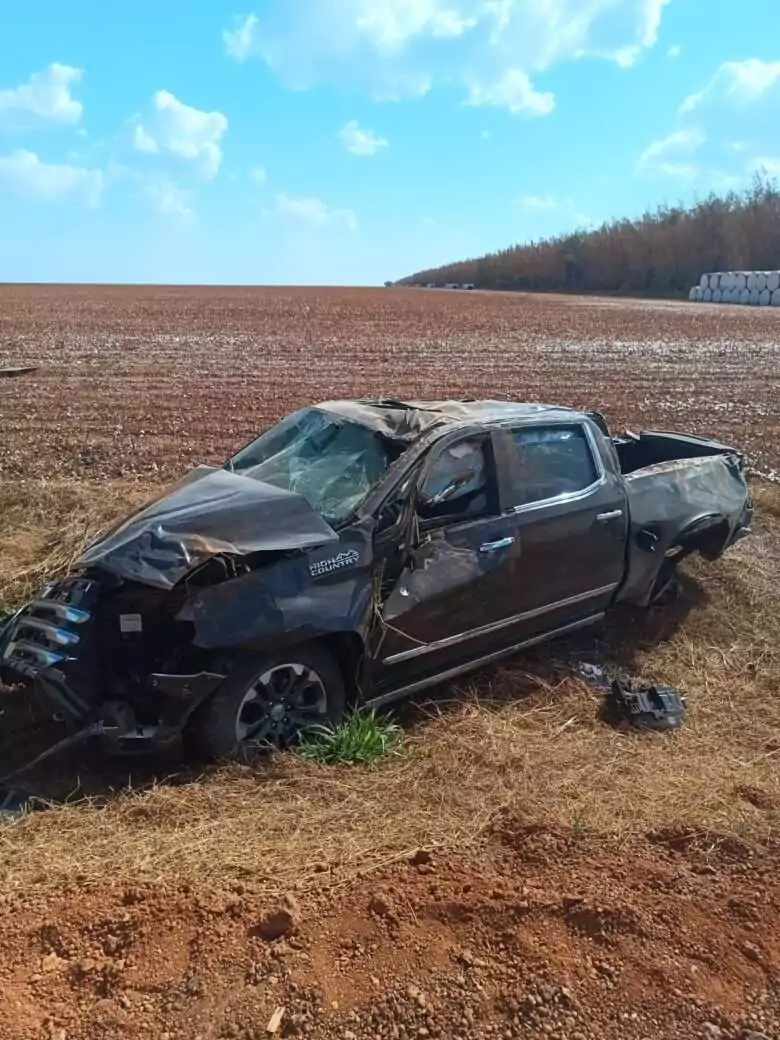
point(598, 940)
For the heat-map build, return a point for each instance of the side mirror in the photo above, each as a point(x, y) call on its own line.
point(457, 482)
point(389, 515)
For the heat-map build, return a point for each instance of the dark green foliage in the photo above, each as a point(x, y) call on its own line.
point(362, 737)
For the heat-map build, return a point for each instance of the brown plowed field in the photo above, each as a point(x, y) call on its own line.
point(141, 380)
point(521, 871)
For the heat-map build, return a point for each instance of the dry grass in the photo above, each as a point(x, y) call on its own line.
point(44, 525)
point(525, 740)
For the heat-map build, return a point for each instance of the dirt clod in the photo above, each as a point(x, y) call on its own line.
point(276, 925)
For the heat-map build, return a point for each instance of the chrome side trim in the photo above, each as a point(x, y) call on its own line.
point(496, 626)
point(462, 669)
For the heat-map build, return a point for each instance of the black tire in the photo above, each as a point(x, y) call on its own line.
point(666, 589)
point(236, 721)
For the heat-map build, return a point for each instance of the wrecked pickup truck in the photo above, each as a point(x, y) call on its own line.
point(360, 551)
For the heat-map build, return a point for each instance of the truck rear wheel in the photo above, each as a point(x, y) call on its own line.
point(268, 701)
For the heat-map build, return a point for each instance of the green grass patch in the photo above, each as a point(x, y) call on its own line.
point(362, 738)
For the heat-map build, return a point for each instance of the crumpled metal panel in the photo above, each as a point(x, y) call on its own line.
point(211, 511)
point(407, 421)
point(668, 497)
point(438, 568)
point(299, 597)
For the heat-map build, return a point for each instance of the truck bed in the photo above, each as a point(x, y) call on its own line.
point(643, 450)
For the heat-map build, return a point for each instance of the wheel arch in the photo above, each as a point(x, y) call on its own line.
point(708, 535)
point(346, 647)
point(349, 651)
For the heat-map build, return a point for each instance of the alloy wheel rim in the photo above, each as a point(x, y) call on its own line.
point(282, 702)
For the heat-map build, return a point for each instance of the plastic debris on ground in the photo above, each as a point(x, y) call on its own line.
point(647, 707)
point(593, 675)
point(643, 705)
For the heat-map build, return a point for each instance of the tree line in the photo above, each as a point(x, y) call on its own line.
point(663, 253)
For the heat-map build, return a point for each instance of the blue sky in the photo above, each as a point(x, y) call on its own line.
point(350, 141)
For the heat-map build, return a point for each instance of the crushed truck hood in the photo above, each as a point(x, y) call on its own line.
point(209, 512)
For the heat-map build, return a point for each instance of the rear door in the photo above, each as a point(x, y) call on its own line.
point(570, 508)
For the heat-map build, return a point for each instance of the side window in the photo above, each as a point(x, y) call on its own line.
point(458, 486)
point(551, 461)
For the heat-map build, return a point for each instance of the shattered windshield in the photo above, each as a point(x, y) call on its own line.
point(331, 462)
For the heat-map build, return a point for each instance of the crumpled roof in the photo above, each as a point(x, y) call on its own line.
point(406, 421)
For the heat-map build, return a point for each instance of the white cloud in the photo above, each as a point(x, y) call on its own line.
point(767, 164)
point(674, 51)
point(259, 174)
point(391, 24)
point(492, 48)
point(143, 142)
point(538, 202)
point(723, 130)
point(359, 141)
point(672, 156)
point(177, 129)
point(45, 98)
point(314, 212)
point(169, 200)
point(240, 40)
point(736, 83)
point(514, 91)
point(24, 174)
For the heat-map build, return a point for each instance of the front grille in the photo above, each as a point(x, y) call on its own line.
point(48, 630)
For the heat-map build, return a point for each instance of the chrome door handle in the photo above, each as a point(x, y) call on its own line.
point(614, 515)
point(502, 543)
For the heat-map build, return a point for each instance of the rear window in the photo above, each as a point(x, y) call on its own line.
point(551, 461)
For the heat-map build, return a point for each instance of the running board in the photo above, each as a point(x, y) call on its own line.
point(480, 662)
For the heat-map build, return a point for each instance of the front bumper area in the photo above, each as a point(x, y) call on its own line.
point(45, 636)
point(58, 646)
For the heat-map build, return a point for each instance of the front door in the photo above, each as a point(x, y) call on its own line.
point(456, 588)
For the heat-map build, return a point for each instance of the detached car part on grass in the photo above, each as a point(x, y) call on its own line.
point(360, 551)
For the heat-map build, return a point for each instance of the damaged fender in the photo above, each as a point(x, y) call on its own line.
point(666, 500)
point(296, 598)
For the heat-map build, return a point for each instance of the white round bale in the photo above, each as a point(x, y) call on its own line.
point(740, 280)
point(764, 298)
point(773, 281)
point(715, 281)
point(692, 294)
point(744, 296)
point(776, 298)
point(717, 295)
point(760, 281)
point(706, 295)
point(704, 281)
point(754, 295)
point(727, 280)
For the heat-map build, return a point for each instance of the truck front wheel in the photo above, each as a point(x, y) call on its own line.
point(268, 701)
